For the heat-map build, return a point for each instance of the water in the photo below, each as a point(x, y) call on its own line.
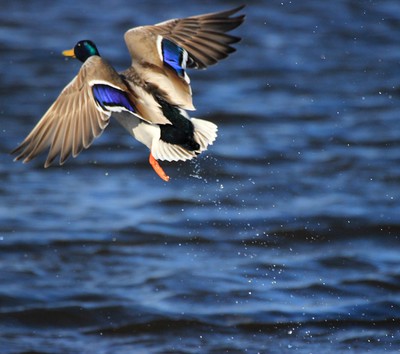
point(283, 237)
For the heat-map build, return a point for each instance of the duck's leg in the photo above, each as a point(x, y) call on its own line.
point(157, 168)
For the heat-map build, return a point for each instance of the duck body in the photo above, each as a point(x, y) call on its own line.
point(177, 136)
point(150, 99)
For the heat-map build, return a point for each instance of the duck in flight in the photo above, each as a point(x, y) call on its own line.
point(150, 99)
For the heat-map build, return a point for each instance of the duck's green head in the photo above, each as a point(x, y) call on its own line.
point(82, 50)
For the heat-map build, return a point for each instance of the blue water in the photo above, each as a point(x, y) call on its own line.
point(283, 237)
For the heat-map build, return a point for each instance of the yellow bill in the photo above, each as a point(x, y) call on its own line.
point(69, 53)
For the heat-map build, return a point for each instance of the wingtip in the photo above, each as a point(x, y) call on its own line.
point(16, 150)
point(48, 162)
point(235, 10)
point(16, 158)
point(240, 7)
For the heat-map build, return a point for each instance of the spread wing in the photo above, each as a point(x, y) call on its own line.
point(79, 115)
point(203, 37)
point(161, 53)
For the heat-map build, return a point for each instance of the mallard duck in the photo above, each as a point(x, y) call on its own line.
point(149, 99)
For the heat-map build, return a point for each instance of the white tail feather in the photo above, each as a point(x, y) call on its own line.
point(169, 152)
point(205, 133)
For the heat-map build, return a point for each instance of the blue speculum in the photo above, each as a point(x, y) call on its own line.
point(173, 56)
point(108, 96)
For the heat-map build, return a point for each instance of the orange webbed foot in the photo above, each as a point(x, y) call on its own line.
point(157, 168)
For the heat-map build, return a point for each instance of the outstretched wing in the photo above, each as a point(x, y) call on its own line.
point(79, 115)
point(204, 37)
point(178, 44)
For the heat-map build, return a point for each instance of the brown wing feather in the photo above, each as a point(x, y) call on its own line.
point(203, 36)
point(71, 123)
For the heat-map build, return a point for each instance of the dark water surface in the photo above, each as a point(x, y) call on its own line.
point(283, 237)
